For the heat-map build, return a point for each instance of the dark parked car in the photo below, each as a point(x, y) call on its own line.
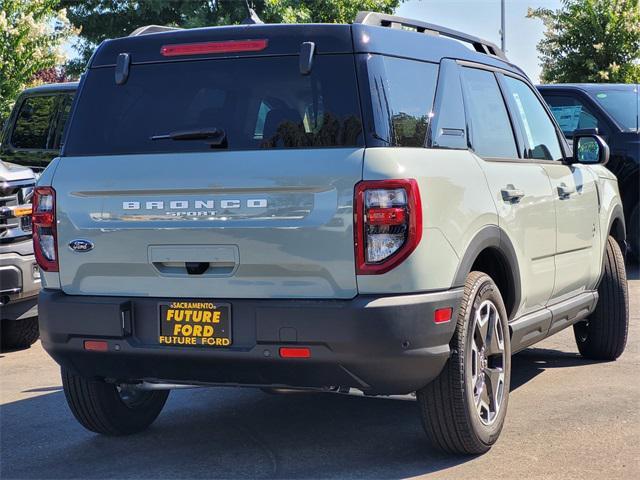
point(614, 110)
point(33, 132)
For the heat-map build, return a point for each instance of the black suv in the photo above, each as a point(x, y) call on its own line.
point(614, 110)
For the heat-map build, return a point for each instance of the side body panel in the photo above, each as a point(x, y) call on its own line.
point(456, 204)
point(530, 224)
point(575, 200)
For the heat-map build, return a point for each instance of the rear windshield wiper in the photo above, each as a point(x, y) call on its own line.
point(217, 136)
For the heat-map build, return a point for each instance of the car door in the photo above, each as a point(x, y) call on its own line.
point(520, 188)
point(575, 196)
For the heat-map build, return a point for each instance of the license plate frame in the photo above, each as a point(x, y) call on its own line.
point(208, 330)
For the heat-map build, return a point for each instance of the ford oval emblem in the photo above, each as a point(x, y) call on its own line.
point(80, 245)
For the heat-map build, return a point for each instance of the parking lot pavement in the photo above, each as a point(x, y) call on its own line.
point(568, 418)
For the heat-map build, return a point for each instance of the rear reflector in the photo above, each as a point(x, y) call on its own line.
point(229, 46)
point(295, 352)
point(442, 315)
point(96, 345)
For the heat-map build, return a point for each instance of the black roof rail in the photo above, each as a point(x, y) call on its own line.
point(385, 20)
point(147, 29)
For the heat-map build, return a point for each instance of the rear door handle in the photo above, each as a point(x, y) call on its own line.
point(564, 190)
point(511, 194)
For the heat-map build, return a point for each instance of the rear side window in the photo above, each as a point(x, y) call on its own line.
point(491, 132)
point(537, 127)
point(31, 130)
point(260, 102)
point(401, 92)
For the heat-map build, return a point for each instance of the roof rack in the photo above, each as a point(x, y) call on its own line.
point(391, 21)
point(147, 29)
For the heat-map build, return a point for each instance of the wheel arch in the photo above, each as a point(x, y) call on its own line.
point(617, 228)
point(492, 252)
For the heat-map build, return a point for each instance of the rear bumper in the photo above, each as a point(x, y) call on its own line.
point(379, 344)
point(19, 283)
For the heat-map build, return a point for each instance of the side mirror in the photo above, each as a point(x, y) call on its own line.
point(589, 148)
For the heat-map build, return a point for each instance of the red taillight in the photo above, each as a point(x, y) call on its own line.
point(43, 218)
point(227, 46)
point(295, 352)
point(388, 223)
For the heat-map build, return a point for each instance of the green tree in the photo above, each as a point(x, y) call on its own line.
point(102, 19)
point(590, 41)
point(31, 34)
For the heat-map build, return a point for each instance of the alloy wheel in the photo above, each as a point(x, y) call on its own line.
point(487, 362)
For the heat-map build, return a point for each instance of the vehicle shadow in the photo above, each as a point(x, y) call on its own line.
point(240, 433)
point(532, 361)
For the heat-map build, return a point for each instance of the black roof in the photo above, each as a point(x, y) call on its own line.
point(51, 88)
point(285, 39)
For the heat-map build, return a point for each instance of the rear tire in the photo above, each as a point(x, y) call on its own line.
point(19, 333)
point(109, 410)
point(603, 336)
point(464, 408)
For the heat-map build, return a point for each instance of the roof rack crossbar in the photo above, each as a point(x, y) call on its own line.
point(392, 21)
point(148, 29)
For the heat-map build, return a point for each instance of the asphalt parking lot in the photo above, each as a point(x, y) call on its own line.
point(568, 418)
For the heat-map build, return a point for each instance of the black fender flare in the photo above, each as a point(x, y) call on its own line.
point(621, 234)
point(492, 236)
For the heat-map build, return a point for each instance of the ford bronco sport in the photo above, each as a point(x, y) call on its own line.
point(371, 206)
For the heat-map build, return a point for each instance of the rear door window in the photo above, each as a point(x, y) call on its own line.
point(32, 127)
point(260, 102)
point(491, 132)
point(401, 94)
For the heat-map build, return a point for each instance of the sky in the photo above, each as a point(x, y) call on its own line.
point(482, 19)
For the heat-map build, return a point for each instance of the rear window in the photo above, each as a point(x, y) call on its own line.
point(260, 102)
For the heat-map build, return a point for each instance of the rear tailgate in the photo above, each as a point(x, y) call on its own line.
point(268, 223)
point(262, 208)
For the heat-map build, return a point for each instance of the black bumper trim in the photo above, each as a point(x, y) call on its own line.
point(380, 344)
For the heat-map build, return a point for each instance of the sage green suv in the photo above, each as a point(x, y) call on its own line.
point(330, 207)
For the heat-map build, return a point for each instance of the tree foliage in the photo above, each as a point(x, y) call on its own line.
point(31, 34)
point(590, 41)
point(102, 19)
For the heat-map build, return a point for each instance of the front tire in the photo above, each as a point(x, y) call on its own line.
point(603, 336)
point(108, 409)
point(19, 333)
point(464, 408)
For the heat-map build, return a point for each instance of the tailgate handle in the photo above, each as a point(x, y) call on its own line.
point(192, 260)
